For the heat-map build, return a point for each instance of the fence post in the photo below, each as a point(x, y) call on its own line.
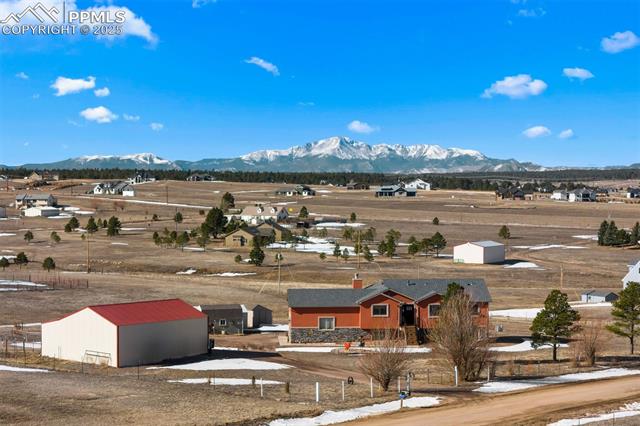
point(261, 388)
point(317, 391)
point(455, 372)
point(371, 385)
point(398, 384)
point(343, 391)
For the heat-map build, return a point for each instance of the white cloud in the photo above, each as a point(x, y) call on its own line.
point(128, 117)
point(65, 86)
point(516, 87)
point(536, 132)
point(579, 73)
point(22, 75)
point(532, 13)
point(361, 127)
point(265, 65)
point(99, 114)
point(101, 93)
point(619, 42)
point(156, 127)
point(566, 134)
point(199, 3)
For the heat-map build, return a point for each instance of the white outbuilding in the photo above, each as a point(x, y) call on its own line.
point(127, 334)
point(41, 211)
point(479, 252)
point(418, 184)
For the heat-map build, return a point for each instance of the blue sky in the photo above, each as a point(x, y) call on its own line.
point(556, 83)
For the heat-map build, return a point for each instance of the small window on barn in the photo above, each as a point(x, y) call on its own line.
point(326, 323)
point(380, 310)
point(476, 309)
point(434, 310)
point(222, 322)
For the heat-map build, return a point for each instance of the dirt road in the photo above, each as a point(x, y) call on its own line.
point(519, 408)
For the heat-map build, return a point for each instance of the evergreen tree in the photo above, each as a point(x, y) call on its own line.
point(426, 246)
point(602, 231)
point(611, 235)
point(215, 222)
point(626, 314)
point(323, 256)
point(113, 226)
point(322, 233)
point(438, 243)
point(345, 254)
point(182, 239)
point(390, 246)
point(4, 262)
point(553, 322)
point(67, 228)
point(73, 223)
point(452, 289)
point(382, 247)
point(156, 238)
point(21, 259)
point(155, 218)
point(48, 264)
point(634, 236)
point(92, 226)
point(347, 233)
point(336, 251)
point(368, 256)
point(55, 238)
point(353, 217)
point(28, 236)
point(504, 232)
point(178, 218)
point(237, 259)
point(436, 221)
point(414, 248)
point(304, 213)
point(227, 202)
point(256, 255)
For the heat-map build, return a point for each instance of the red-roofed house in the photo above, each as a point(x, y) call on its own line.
point(127, 334)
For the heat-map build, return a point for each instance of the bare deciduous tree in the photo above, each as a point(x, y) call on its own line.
point(590, 342)
point(388, 359)
point(459, 339)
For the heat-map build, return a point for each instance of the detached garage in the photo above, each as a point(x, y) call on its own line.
point(479, 252)
point(127, 334)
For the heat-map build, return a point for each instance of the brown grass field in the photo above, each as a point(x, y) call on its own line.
point(131, 267)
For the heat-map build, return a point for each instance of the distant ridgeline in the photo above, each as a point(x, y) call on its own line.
point(486, 181)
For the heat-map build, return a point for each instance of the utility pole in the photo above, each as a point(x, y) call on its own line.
point(166, 192)
point(279, 256)
point(561, 276)
point(88, 234)
point(359, 250)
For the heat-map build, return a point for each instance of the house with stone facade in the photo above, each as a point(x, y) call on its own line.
point(335, 315)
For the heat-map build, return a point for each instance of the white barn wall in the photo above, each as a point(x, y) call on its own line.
point(70, 337)
point(158, 341)
point(494, 254)
point(474, 254)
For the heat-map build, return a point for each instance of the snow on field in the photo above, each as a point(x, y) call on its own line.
point(590, 305)
point(548, 246)
point(324, 191)
point(22, 369)
point(331, 417)
point(523, 347)
point(119, 244)
point(14, 283)
point(314, 245)
point(586, 237)
point(339, 225)
point(6, 234)
point(627, 410)
point(524, 265)
point(27, 345)
point(215, 381)
point(133, 229)
point(527, 313)
point(515, 385)
point(224, 348)
point(273, 328)
point(60, 216)
point(194, 248)
point(226, 364)
point(154, 203)
point(187, 272)
point(328, 349)
point(231, 274)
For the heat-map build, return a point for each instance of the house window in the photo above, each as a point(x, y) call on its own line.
point(380, 310)
point(326, 323)
point(222, 323)
point(476, 309)
point(434, 310)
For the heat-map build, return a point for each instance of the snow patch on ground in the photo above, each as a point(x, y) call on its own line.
point(315, 245)
point(324, 191)
point(187, 272)
point(328, 349)
point(194, 248)
point(231, 274)
point(226, 364)
point(6, 234)
point(586, 237)
point(215, 381)
point(339, 225)
point(13, 283)
point(524, 265)
point(331, 417)
point(22, 369)
point(515, 385)
point(523, 347)
point(119, 244)
point(548, 246)
point(527, 313)
point(627, 410)
point(132, 229)
point(273, 328)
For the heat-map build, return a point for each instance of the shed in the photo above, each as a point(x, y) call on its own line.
point(595, 296)
point(479, 252)
point(260, 315)
point(225, 319)
point(633, 275)
point(127, 334)
point(41, 211)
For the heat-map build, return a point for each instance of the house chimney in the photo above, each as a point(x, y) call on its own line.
point(356, 282)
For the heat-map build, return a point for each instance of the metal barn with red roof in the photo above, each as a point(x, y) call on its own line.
point(127, 334)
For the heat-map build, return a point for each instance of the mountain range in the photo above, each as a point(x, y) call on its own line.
point(334, 154)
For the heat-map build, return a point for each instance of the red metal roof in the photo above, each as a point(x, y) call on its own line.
point(147, 312)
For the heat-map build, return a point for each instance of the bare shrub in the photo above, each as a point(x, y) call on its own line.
point(388, 359)
point(590, 340)
point(459, 339)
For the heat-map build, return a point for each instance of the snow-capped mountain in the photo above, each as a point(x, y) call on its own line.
point(334, 154)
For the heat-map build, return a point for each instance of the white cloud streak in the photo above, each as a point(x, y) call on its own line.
point(619, 41)
point(566, 134)
point(536, 132)
point(65, 86)
point(579, 73)
point(101, 115)
point(516, 87)
point(22, 75)
point(265, 65)
point(361, 127)
point(101, 93)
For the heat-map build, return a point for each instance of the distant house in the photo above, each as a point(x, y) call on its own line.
point(225, 319)
point(263, 212)
point(141, 177)
point(336, 315)
point(114, 188)
point(356, 186)
point(259, 316)
point(633, 193)
point(418, 184)
point(633, 275)
point(280, 232)
point(479, 252)
point(301, 190)
point(43, 211)
point(35, 200)
point(560, 195)
point(200, 178)
point(41, 176)
point(511, 193)
point(394, 191)
point(243, 237)
point(582, 195)
point(595, 296)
